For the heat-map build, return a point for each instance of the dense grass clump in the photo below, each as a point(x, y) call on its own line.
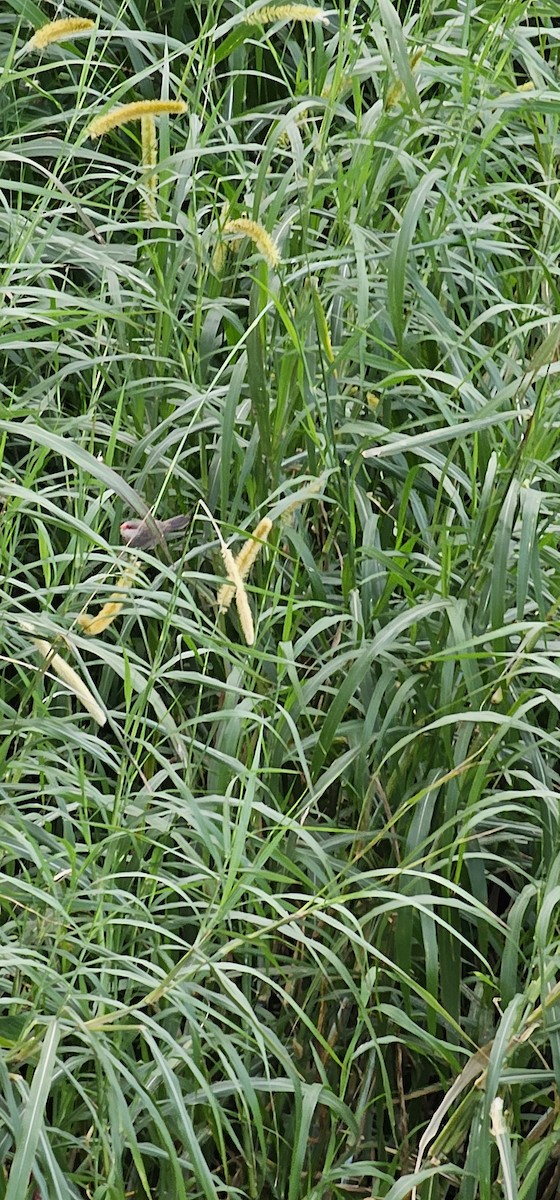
point(280, 919)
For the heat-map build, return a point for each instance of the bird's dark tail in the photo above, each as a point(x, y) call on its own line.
point(176, 524)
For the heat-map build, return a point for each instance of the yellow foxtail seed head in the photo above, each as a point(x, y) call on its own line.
point(106, 616)
point(219, 257)
point(134, 112)
point(149, 140)
point(72, 680)
point(262, 240)
point(523, 87)
point(285, 12)
point(244, 561)
point(395, 93)
point(59, 31)
point(396, 90)
point(302, 499)
point(245, 616)
point(149, 161)
point(284, 137)
point(242, 603)
point(251, 549)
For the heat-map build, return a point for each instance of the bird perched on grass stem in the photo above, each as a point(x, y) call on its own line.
point(151, 532)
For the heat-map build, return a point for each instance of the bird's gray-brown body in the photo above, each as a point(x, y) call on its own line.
point(149, 532)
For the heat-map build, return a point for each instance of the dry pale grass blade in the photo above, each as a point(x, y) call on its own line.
point(503, 1141)
point(474, 1068)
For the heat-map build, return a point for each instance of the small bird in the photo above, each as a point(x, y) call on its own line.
point(151, 532)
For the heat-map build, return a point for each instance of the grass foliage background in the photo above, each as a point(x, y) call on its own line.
point(287, 925)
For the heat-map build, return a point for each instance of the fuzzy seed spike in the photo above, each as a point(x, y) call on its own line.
point(59, 31)
point(125, 113)
point(258, 234)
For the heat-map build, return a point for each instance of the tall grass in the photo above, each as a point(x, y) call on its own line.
point(286, 925)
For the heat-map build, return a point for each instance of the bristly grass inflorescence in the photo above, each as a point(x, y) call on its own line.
point(285, 12)
point(265, 244)
point(147, 112)
point(105, 617)
point(69, 677)
point(137, 110)
point(244, 561)
point(241, 599)
point(59, 31)
point(149, 162)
